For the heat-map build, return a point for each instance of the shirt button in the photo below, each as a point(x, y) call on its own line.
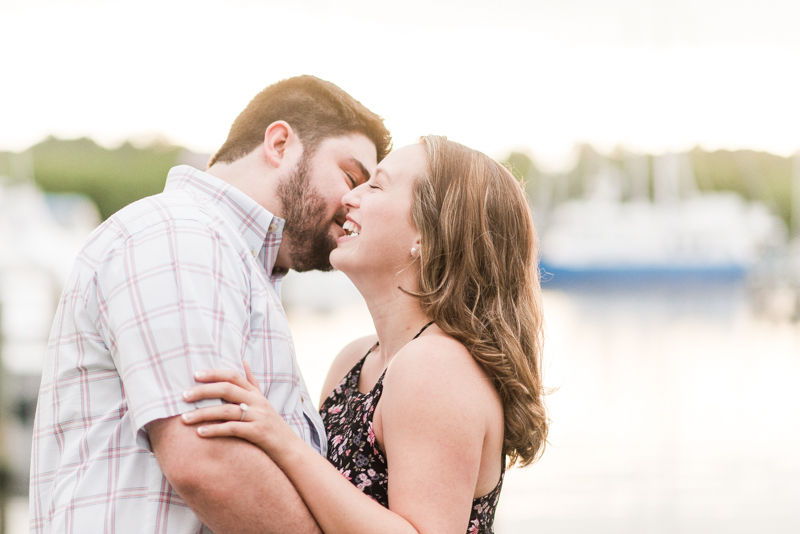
point(273, 227)
point(254, 252)
point(302, 398)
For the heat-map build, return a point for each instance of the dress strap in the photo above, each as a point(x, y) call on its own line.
point(421, 331)
point(377, 343)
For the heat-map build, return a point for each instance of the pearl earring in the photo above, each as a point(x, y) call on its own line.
point(413, 251)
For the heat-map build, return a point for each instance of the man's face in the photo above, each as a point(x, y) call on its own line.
point(311, 198)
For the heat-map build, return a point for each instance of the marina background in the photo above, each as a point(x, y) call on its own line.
point(658, 141)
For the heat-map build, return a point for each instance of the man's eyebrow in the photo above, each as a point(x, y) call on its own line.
point(364, 172)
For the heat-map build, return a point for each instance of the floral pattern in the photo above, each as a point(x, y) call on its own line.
point(347, 414)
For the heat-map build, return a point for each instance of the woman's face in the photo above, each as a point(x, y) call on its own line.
point(379, 229)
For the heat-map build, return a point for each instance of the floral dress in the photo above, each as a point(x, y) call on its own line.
point(347, 414)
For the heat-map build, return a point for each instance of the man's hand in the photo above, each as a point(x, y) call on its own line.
point(230, 484)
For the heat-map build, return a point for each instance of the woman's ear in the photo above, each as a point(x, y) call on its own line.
point(278, 137)
point(416, 248)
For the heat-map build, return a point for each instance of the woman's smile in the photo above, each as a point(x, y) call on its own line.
point(351, 228)
point(351, 231)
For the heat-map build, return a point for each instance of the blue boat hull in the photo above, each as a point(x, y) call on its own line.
point(553, 276)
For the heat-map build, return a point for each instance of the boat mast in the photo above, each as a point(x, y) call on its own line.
point(795, 209)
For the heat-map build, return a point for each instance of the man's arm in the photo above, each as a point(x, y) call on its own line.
point(230, 484)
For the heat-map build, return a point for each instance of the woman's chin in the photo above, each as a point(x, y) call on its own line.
point(341, 262)
point(337, 260)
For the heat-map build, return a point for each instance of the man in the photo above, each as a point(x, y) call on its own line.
point(186, 280)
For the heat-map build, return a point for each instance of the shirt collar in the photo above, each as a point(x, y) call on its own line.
point(260, 228)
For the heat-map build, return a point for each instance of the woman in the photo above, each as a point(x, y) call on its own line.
point(441, 245)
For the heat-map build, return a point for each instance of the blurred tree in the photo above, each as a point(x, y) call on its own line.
point(115, 178)
point(520, 165)
point(111, 178)
point(525, 170)
point(539, 186)
point(759, 176)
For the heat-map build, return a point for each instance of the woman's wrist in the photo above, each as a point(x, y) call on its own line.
point(282, 445)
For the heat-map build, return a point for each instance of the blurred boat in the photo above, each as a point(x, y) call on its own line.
point(40, 235)
point(680, 234)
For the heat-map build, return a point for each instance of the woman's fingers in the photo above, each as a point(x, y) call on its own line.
point(218, 390)
point(224, 375)
point(223, 412)
point(230, 429)
point(259, 421)
point(249, 374)
point(255, 425)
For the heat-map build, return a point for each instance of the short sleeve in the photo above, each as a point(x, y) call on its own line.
point(173, 300)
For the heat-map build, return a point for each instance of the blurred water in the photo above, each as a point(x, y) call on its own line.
point(676, 411)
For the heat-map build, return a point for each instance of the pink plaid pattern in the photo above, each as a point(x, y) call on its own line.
point(172, 284)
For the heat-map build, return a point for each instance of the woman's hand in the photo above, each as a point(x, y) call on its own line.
point(249, 415)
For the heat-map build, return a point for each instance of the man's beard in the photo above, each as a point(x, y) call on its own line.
point(306, 226)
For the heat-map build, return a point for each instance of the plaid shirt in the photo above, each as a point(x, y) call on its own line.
point(173, 283)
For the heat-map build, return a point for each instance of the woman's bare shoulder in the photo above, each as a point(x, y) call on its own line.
point(439, 362)
point(434, 390)
point(344, 361)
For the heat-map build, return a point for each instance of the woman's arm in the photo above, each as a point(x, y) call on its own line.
point(433, 444)
point(433, 424)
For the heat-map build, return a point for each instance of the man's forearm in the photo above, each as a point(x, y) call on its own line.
point(230, 484)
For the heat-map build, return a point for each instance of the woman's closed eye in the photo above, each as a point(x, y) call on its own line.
point(373, 183)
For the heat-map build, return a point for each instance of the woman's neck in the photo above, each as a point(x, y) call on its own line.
point(397, 318)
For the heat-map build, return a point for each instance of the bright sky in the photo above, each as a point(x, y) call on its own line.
point(647, 74)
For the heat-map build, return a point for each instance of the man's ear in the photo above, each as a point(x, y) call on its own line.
point(278, 137)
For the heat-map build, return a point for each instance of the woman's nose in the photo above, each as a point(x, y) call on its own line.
point(352, 199)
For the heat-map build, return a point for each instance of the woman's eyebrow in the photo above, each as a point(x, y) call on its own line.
point(384, 173)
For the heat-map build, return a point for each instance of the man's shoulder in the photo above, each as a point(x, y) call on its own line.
point(165, 207)
point(171, 211)
point(161, 209)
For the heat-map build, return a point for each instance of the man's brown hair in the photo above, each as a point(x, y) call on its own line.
point(315, 109)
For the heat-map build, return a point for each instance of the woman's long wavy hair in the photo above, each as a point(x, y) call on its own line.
point(479, 280)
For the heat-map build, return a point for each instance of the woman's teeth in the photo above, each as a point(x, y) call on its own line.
point(351, 228)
